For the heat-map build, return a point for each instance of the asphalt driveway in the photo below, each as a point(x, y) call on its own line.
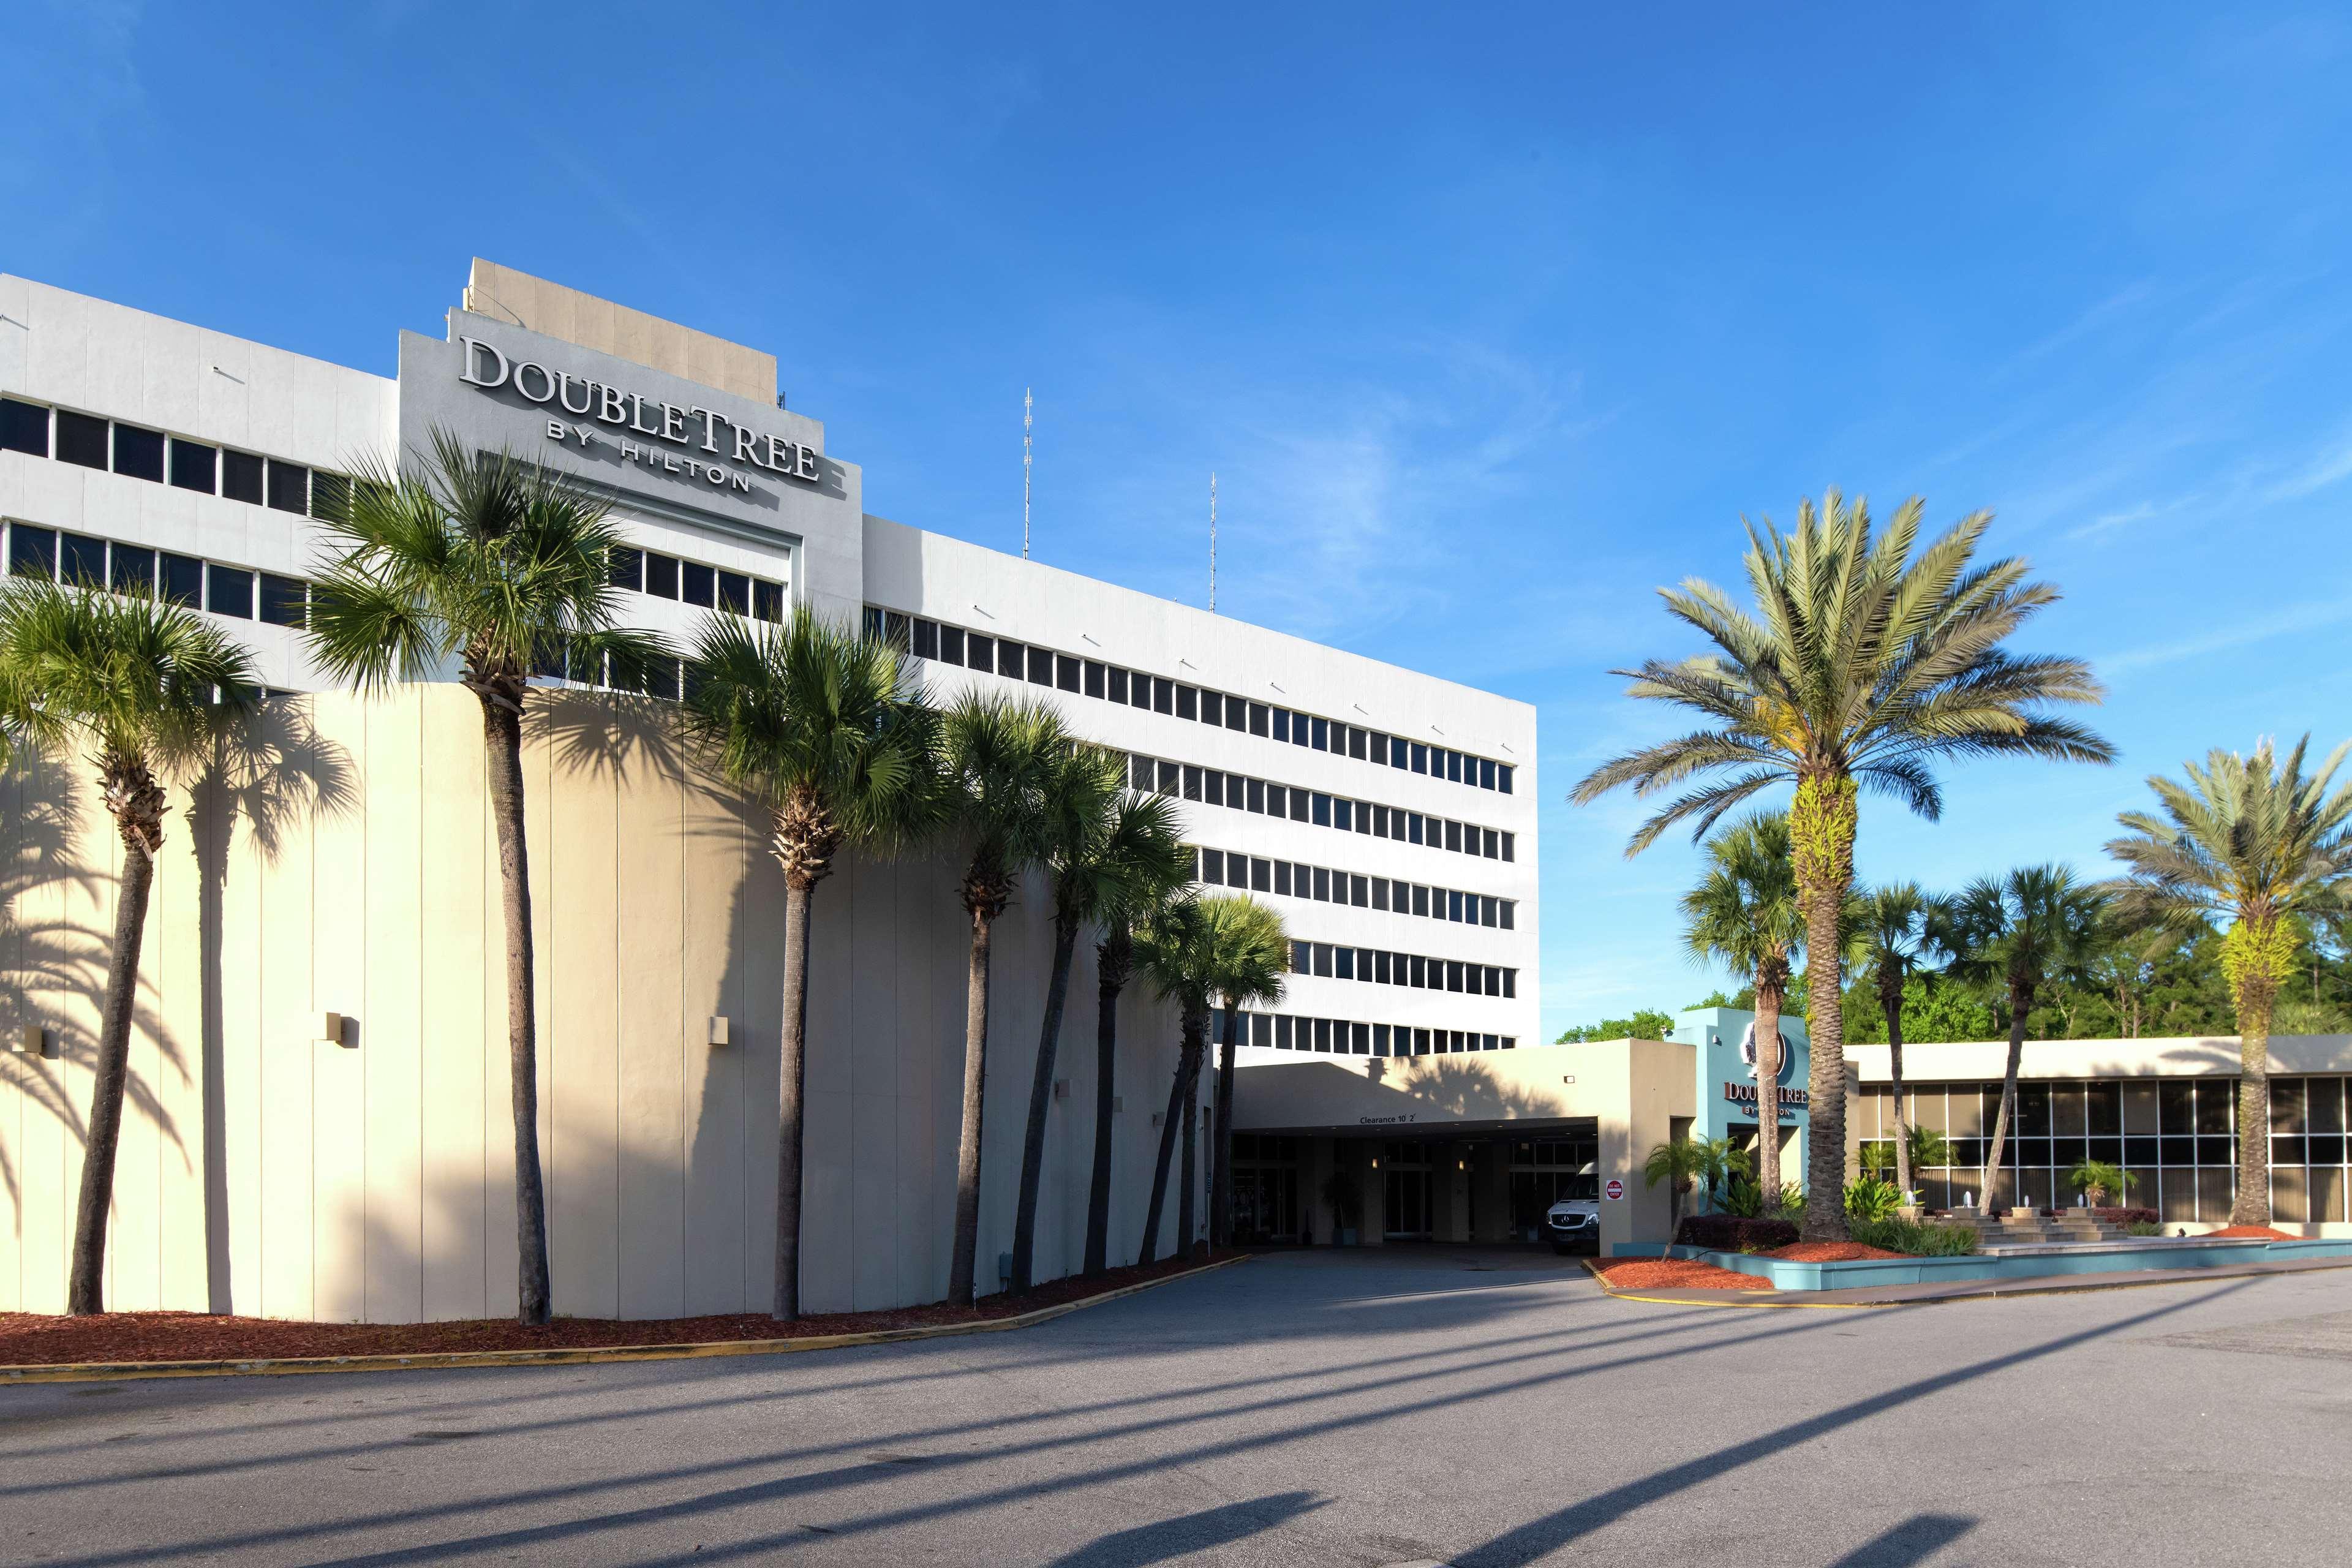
point(1465, 1407)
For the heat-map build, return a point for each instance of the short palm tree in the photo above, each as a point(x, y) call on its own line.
point(142, 685)
point(498, 567)
point(1902, 928)
point(1867, 664)
point(1678, 1163)
point(2095, 1179)
point(2020, 934)
point(1253, 952)
point(2257, 842)
point(1717, 1161)
point(829, 731)
point(995, 761)
point(1929, 1150)
point(1744, 915)
point(1137, 906)
point(1176, 954)
point(1106, 850)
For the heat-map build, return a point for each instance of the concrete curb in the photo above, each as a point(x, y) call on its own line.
point(2039, 1285)
point(129, 1371)
point(1591, 1267)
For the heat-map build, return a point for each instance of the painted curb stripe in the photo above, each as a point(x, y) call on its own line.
point(2119, 1284)
point(115, 1372)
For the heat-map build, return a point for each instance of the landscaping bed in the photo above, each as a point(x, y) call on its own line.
point(34, 1339)
point(1672, 1274)
point(2257, 1232)
point(1831, 1252)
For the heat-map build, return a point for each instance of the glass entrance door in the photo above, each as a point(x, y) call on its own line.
point(1405, 1208)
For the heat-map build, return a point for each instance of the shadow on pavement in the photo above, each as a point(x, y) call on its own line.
point(1916, 1540)
point(1169, 1539)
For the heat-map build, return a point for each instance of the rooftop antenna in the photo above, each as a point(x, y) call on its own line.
point(1027, 404)
point(1213, 541)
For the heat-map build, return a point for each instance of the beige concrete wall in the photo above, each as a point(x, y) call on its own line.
point(351, 867)
point(563, 313)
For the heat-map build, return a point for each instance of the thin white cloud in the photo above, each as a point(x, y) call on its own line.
point(2297, 619)
point(2330, 466)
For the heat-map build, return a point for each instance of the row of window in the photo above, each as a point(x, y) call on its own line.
point(1092, 677)
point(82, 560)
point(139, 453)
point(1237, 792)
point(1345, 1036)
point(1254, 874)
point(660, 576)
point(1384, 968)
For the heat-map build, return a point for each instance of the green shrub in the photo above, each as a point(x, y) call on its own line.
point(2143, 1227)
point(1867, 1198)
point(1915, 1238)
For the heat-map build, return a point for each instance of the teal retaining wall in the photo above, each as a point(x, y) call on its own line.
point(2108, 1257)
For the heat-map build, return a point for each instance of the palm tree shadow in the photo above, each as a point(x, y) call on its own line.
point(606, 735)
point(1165, 1540)
point(1914, 1540)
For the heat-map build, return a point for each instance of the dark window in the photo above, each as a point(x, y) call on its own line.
point(1323, 1034)
point(1170, 778)
point(1258, 717)
point(1493, 843)
point(1322, 885)
point(183, 580)
point(698, 585)
point(1380, 821)
point(131, 571)
point(1282, 1031)
point(926, 638)
point(661, 576)
point(1212, 787)
point(1068, 673)
point(1116, 679)
point(735, 593)
point(1282, 877)
point(1192, 782)
point(1502, 777)
point(979, 651)
point(1322, 732)
point(1356, 740)
point(1343, 964)
point(1343, 814)
point(1322, 817)
point(897, 630)
point(1323, 959)
point(1213, 866)
point(1454, 837)
point(1380, 1039)
point(330, 496)
point(1506, 910)
point(289, 486)
point(81, 560)
point(1510, 983)
point(1299, 805)
point(1486, 774)
point(767, 600)
point(1212, 709)
point(1095, 671)
point(228, 592)
point(1454, 761)
point(1236, 714)
point(871, 628)
point(1041, 667)
point(1417, 975)
point(1360, 891)
point(1379, 892)
point(1414, 822)
point(1188, 702)
point(81, 439)
point(23, 427)
point(195, 466)
point(1509, 851)
point(626, 568)
point(1380, 975)
point(1163, 695)
point(1454, 974)
point(1379, 744)
point(1420, 759)
point(1453, 906)
point(1139, 771)
point(1258, 795)
point(1281, 724)
point(241, 476)
point(951, 645)
point(1419, 900)
point(283, 600)
point(1009, 658)
point(32, 551)
point(1261, 874)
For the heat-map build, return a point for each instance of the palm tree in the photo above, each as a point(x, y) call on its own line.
point(2036, 927)
point(1107, 848)
point(1744, 915)
point(829, 730)
point(1252, 952)
point(1175, 953)
point(2257, 842)
point(996, 760)
point(1678, 1163)
point(143, 686)
point(1864, 664)
point(2095, 1179)
point(1715, 1162)
point(1902, 928)
point(499, 567)
point(1130, 907)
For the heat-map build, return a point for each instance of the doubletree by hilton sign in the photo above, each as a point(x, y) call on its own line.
point(711, 447)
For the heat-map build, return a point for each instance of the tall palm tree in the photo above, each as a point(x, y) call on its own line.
point(1744, 915)
point(828, 728)
point(1902, 929)
point(996, 758)
point(142, 685)
point(2034, 928)
point(1252, 952)
point(1107, 849)
point(1174, 951)
point(2257, 842)
point(499, 567)
point(1863, 664)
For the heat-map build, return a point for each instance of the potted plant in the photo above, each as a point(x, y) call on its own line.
point(1346, 1200)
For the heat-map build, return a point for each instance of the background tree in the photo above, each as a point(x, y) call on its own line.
point(500, 568)
point(1647, 1023)
point(2020, 933)
point(829, 729)
point(1107, 849)
point(1863, 664)
point(1251, 953)
point(1133, 906)
point(1175, 953)
point(2258, 843)
point(1901, 928)
point(1678, 1162)
point(143, 687)
point(1744, 915)
point(995, 758)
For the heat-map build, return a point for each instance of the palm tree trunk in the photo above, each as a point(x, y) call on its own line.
point(1821, 836)
point(2020, 1003)
point(502, 737)
point(85, 1287)
point(975, 1073)
point(1041, 1102)
point(1221, 1170)
point(1187, 1202)
point(1894, 1010)
point(1110, 971)
point(792, 1078)
point(2253, 1205)
point(1768, 1101)
point(1168, 1127)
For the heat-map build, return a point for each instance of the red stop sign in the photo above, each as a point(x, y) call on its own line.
point(1615, 1189)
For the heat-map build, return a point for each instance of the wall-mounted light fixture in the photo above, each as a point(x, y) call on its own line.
point(332, 1028)
point(1568, 1078)
point(1061, 1089)
point(722, 1029)
point(1376, 1162)
point(29, 1040)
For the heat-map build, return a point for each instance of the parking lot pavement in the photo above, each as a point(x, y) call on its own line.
point(1368, 1408)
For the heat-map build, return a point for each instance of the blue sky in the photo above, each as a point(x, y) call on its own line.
point(1490, 322)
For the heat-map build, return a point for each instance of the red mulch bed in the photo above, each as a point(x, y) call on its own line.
point(2262, 1232)
point(1673, 1274)
point(34, 1339)
point(1829, 1252)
